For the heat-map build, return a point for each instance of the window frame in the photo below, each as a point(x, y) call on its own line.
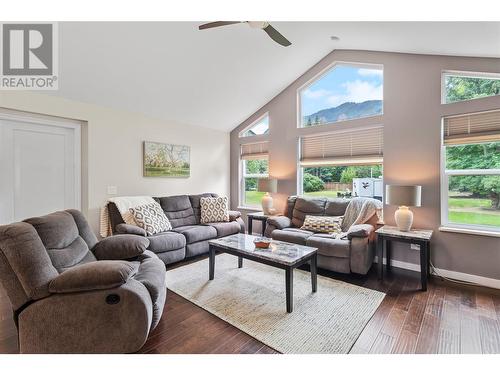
point(467, 74)
point(323, 73)
point(243, 176)
point(259, 119)
point(445, 176)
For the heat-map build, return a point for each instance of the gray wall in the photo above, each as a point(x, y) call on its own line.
point(412, 125)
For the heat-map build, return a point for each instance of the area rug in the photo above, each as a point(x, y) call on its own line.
point(252, 299)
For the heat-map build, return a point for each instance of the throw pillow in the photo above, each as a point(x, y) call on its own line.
point(322, 224)
point(214, 210)
point(151, 218)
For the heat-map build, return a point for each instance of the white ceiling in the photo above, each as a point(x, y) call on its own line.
point(217, 78)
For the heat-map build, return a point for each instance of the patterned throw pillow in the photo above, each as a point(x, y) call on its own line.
point(214, 210)
point(323, 224)
point(151, 218)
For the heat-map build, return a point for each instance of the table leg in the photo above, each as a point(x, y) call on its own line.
point(289, 289)
point(211, 262)
point(314, 273)
point(380, 256)
point(263, 227)
point(423, 264)
point(240, 262)
point(388, 254)
point(250, 225)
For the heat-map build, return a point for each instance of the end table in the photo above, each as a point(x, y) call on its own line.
point(421, 237)
point(259, 216)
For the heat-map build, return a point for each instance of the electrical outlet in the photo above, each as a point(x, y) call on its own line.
point(112, 190)
point(415, 246)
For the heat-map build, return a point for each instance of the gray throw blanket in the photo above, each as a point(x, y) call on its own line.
point(359, 211)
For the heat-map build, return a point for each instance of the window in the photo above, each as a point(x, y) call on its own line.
point(458, 86)
point(254, 160)
point(342, 164)
point(345, 92)
point(260, 127)
point(471, 171)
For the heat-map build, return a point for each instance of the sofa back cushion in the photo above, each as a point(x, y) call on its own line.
point(178, 209)
point(336, 206)
point(307, 206)
point(195, 203)
point(61, 237)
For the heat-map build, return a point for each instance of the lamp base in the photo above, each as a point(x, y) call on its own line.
point(404, 218)
point(267, 204)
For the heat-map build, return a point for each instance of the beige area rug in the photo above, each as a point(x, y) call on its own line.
point(253, 299)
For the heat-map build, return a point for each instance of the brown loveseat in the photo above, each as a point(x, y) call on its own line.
point(354, 252)
point(73, 294)
point(188, 236)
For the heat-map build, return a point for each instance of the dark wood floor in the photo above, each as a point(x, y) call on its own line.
point(448, 318)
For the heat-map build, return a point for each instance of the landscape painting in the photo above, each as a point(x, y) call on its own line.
point(166, 160)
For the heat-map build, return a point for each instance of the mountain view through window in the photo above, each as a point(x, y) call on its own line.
point(344, 93)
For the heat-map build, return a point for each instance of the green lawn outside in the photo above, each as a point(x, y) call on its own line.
point(477, 218)
point(253, 198)
point(323, 193)
point(468, 202)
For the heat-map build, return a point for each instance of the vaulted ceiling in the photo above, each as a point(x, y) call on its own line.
point(216, 78)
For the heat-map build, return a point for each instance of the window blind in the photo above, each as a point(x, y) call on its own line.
point(252, 151)
point(356, 147)
point(472, 128)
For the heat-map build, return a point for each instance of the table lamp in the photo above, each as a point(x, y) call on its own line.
point(267, 185)
point(403, 196)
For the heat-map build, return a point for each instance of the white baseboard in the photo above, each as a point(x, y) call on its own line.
point(480, 280)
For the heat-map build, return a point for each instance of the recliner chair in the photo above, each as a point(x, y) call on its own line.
point(73, 294)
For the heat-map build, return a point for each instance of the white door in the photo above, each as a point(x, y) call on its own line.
point(39, 167)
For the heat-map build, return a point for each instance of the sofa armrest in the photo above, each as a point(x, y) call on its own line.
point(280, 222)
point(233, 215)
point(360, 231)
point(130, 229)
point(93, 276)
point(122, 246)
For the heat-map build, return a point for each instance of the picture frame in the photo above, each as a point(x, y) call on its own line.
point(166, 160)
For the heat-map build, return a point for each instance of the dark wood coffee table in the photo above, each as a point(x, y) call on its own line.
point(283, 255)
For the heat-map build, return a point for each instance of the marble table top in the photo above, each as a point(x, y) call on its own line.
point(420, 234)
point(261, 215)
point(278, 251)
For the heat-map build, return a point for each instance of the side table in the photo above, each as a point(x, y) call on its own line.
point(422, 237)
point(259, 216)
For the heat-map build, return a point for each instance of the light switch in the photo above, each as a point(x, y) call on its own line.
point(112, 190)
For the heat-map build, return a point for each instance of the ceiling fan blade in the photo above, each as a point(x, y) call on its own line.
point(217, 24)
point(276, 36)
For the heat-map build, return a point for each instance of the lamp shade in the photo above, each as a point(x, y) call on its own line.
point(267, 185)
point(400, 195)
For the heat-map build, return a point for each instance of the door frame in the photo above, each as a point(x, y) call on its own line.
point(46, 120)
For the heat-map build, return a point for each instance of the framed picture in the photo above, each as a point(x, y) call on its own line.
point(165, 160)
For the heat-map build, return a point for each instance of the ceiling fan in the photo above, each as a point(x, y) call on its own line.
point(271, 31)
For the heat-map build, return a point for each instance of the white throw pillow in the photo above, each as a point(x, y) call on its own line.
point(151, 218)
point(214, 210)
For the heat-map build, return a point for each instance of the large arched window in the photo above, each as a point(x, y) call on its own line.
point(344, 92)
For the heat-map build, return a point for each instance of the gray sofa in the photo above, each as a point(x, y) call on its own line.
point(354, 253)
point(73, 294)
point(188, 237)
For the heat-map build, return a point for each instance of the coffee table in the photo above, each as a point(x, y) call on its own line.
point(283, 255)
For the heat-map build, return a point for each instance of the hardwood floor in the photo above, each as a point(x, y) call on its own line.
point(448, 318)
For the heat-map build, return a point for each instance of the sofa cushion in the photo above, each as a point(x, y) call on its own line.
point(307, 206)
point(226, 229)
point(329, 246)
point(336, 206)
point(195, 203)
point(293, 235)
point(196, 233)
point(214, 210)
point(151, 218)
point(167, 241)
point(178, 210)
point(322, 224)
point(120, 247)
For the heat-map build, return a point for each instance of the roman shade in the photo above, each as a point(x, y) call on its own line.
point(252, 151)
point(353, 147)
point(472, 128)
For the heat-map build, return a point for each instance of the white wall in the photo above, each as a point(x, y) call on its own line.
point(112, 150)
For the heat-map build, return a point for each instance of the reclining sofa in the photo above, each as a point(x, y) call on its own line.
point(73, 294)
point(188, 237)
point(354, 252)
